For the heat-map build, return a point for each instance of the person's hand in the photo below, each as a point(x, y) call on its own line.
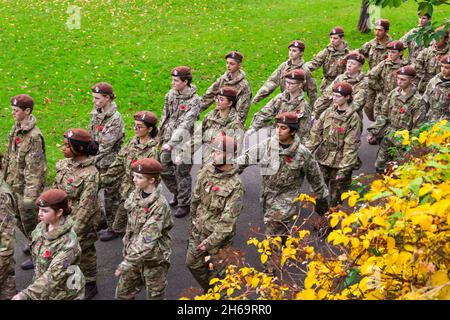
point(201, 247)
point(167, 147)
point(16, 297)
point(249, 132)
point(118, 273)
point(370, 138)
point(340, 177)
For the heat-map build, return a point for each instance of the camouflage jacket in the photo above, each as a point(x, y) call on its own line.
point(25, 163)
point(413, 47)
point(359, 85)
point(374, 51)
point(427, 64)
point(180, 113)
point(8, 212)
point(56, 256)
point(283, 170)
point(436, 99)
point(147, 240)
point(330, 59)
point(282, 103)
point(336, 138)
point(217, 202)
point(382, 77)
point(276, 80)
point(108, 129)
point(120, 169)
point(242, 86)
point(81, 182)
point(399, 113)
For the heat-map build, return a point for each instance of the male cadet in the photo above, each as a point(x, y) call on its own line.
point(427, 63)
point(216, 205)
point(436, 98)
point(25, 165)
point(355, 77)
point(375, 52)
point(108, 129)
point(413, 47)
point(235, 78)
point(330, 57)
point(402, 110)
point(296, 49)
point(382, 77)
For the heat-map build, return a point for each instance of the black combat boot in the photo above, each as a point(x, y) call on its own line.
point(26, 249)
point(108, 235)
point(182, 211)
point(173, 202)
point(90, 290)
point(27, 264)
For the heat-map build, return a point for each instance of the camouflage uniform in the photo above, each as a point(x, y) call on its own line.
point(436, 99)
point(382, 80)
point(276, 80)
point(146, 246)
point(25, 168)
point(335, 141)
point(283, 171)
point(108, 129)
point(398, 113)
point(8, 211)
point(413, 47)
point(282, 103)
point(241, 85)
point(120, 171)
point(428, 65)
point(180, 113)
point(56, 256)
point(80, 180)
point(216, 205)
point(330, 59)
point(360, 86)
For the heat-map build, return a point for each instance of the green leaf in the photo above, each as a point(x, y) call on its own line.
point(414, 186)
point(374, 251)
point(351, 277)
point(398, 192)
point(384, 194)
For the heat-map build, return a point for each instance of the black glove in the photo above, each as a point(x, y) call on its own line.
point(322, 206)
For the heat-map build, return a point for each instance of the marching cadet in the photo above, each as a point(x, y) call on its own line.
point(181, 110)
point(8, 212)
point(427, 63)
point(375, 52)
point(413, 47)
point(146, 245)
point(335, 141)
point(235, 78)
point(79, 178)
point(436, 98)
point(296, 49)
point(143, 145)
point(354, 76)
point(25, 165)
point(56, 252)
point(291, 100)
point(108, 129)
point(401, 111)
point(284, 162)
point(382, 78)
point(216, 205)
point(330, 57)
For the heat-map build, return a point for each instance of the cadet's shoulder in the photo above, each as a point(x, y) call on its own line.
point(304, 152)
point(61, 164)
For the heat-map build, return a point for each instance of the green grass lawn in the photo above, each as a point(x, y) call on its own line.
point(133, 44)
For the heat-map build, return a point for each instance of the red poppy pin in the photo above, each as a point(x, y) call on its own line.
point(134, 161)
point(341, 130)
point(47, 254)
point(402, 110)
point(215, 188)
point(69, 180)
point(448, 96)
point(100, 128)
point(182, 107)
point(18, 140)
point(146, 210)
point(288, 159)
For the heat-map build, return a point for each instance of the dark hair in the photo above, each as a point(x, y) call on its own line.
point(157, 177)
point(154, 131)
point(67, 210)
point(188, 78)
point(1, 158)
point(86, 148)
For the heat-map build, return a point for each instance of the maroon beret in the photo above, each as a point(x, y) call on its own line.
point(236, 55)
point(147, 117)
point(288, 118)
point(395, 45)
point(227, 92)
point(51, 197)
point(182, 71)
point(296, 74)
point(445, 59)
point(22, 101)
point(343, 88)
point(224, 143)
point(297, 44)
point(337, 30)
point(355, 55)
point(383, 23)
point(407, 71)
point(147, 166)
point(78, 134)
point(103, 88)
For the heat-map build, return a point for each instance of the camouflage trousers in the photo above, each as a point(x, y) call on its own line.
point(336, 187)
point(88, 260)
point(109, 203)
point(383, 155)
point(278, 211)
point(7, 278)
point(369, 105)
point(120, 219)
point(196, 262)
point(152, 276)
point(27, 219)
point(379, 100)
point(177, 179)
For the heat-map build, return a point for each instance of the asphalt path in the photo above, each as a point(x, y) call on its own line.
point(180, 281)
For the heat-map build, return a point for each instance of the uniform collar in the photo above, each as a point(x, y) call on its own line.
point(239, 78)
point(215, 174)
point(285, 97)
point(27, 125)
point(187, 95)
point(150, 199)
point(85, 163)
point(112, 110)
point(56, 233)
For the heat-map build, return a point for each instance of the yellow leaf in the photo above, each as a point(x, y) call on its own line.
point(379, 221)
point(322, 294)
point(309, 282)
point(214, 280)
point(355, 242)
point(440, 277)
point(309, 294)
point(230, 291)
point(255, 282)
point(366, 244)
point(334, 221)
point(217, 296)
point(352, 200)
point(264, 258)
point(390, 243)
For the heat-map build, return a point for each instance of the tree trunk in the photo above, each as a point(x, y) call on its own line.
point(364, 17)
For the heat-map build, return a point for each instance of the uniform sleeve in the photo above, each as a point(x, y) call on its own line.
point(382, 120)
point(352, 142)
point(262, 117)
point(359, 98)
point(7, 231)
point(165, 116)
point(252, 155)
point(225, 226)
point(197, 193)
point(114, 133)
point(311, 88)
point(243, 103)
point(314, 176)
point(324, 101)
point(115, 171)
point(418, 113)
point(188, 122)
point(374, 75)
point(364, 50)
point(404, 39)
point(315, 138)
point(425, 100)
point(35, 169)
point(86, 210)
point(317, 61)
point(419, 64)
point(304, 123)
point(208, 97)
point(270, 85)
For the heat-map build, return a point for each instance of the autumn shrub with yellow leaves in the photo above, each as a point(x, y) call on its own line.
point(393, 242)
